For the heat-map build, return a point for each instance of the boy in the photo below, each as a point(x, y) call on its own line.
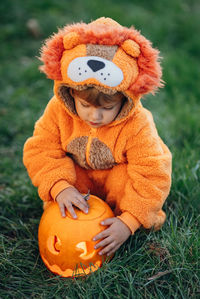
point(95, 134)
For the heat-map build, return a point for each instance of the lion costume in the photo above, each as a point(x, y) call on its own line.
point(125, 163)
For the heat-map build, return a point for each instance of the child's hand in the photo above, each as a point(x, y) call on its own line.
point(69, 197)
point(113, 237)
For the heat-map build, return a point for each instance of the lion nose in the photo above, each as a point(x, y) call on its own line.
point(95, 65)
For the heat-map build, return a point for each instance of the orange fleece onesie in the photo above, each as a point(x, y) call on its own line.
point(125, 163)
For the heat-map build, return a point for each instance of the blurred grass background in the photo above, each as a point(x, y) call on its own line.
point(164, 264)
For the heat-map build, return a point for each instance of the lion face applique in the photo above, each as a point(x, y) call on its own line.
point(95, 66)
point(99, 68)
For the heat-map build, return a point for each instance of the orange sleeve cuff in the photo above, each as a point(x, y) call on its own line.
point(58, 187)
point(132, 223)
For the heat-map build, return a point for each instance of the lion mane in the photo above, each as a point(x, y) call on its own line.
point(105, 31)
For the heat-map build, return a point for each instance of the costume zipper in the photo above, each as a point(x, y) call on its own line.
point(90, 137)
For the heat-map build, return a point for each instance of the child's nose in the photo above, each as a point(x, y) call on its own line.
point(96, 114)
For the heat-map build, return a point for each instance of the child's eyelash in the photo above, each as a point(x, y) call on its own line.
point(108, 108)
point(85, 105)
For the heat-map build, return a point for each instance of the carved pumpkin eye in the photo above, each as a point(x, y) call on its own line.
point(87, 249)
point(54, 244)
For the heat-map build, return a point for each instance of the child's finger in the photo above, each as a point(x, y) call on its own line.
point(105, 233)
point(104, 242)
point(108, 248)
point(71, 210)
point(112, 250)
point(81, 204)
point(62, 209)
point(108, 221)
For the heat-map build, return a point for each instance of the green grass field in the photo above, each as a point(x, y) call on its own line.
point(162, 264)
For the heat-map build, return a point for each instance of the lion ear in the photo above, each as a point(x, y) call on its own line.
point(131, 48)
point(70, 40)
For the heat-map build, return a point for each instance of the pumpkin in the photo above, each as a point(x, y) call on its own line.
point(66, 244)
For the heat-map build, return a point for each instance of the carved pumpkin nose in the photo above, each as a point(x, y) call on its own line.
point(95, 65)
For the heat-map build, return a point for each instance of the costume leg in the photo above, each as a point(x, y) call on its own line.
point(115, 186)
point(83, 181)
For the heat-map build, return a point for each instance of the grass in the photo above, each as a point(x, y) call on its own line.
point(162, 264)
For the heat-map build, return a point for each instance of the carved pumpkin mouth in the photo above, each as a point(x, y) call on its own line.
point(79, 270)
point(87, 252)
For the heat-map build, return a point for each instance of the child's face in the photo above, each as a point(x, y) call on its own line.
point(99, 116)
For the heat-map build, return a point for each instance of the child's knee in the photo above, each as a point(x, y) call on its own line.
point(117, 179)
point(46, 204)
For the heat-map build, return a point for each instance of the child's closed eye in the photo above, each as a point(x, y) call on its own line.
point(108, 108)
point(85, 105)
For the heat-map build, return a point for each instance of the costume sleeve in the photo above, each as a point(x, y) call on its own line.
point(148, 175)
point(132, 223)
point(44, 157)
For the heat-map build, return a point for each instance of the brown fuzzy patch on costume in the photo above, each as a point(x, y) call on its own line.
point(76, 149)
point(100, 155)
point(64, 94)
point(126, 108)
point(103, 51)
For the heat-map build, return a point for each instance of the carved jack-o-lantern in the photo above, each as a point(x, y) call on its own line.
point(66, 244)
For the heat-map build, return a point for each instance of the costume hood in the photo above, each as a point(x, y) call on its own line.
point(105, 55)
